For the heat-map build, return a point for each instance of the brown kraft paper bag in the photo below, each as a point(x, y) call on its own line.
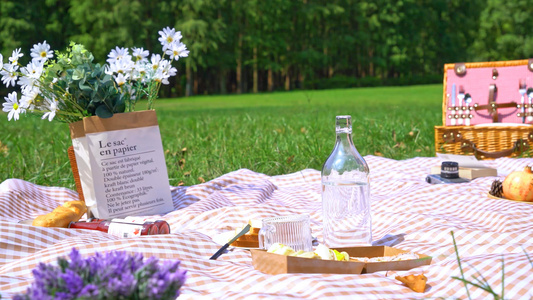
point(122, 165)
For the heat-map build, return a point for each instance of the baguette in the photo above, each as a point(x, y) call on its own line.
point(70, 211)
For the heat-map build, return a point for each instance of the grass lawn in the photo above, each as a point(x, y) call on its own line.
point(272, 133)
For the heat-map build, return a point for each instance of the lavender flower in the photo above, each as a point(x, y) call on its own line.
point(113, 275)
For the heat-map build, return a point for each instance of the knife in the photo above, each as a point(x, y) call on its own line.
point(453, 94)
point(226, 245)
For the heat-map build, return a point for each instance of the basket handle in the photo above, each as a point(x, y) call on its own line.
point(519, 147)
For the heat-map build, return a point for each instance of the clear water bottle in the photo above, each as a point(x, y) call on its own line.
point(346, 192)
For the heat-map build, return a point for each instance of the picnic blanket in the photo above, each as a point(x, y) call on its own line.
point(407, 213)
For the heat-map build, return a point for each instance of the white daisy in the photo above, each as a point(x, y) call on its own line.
point(159, 76)
point(118, 54)
point(177, 50)
point(27, 100)
point(31, 74)
point(111, 69)
point(52, 106)
point(140, 55)
point(167, 70)
point(9, 74)
point(154, 61)
point(120, 79)
point(139, 73)
point(170, 70)
point(14, 59)
point(168, 37)
point(41, 51)
point(1, 61)
point(12, 107)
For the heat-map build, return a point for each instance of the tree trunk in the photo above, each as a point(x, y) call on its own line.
point(188, 73)
point(287, 73)
point(287, 79)
point(270, 80)
point(255, 73)
point(371, 63)
point(238, 70)
point(328, 67)
point(195, 83)
point(222, 81)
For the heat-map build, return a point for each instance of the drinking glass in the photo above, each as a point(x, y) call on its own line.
point(292, 230)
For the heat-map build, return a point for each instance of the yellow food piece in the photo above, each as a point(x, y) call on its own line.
point(308, 254)
point(337, 255)
point(281, 249)
point(416, 283)
point(70, 211)
point(324, 252)
point(342, 256)
point(299, 252)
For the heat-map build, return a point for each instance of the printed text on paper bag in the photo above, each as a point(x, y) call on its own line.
point(117, 147)
point(123, 181)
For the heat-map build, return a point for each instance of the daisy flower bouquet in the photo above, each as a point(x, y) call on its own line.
point(69, 85)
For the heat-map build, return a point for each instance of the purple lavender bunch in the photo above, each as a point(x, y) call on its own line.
point(113, 275)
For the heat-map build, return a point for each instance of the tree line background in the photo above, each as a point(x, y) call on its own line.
point(245, 46)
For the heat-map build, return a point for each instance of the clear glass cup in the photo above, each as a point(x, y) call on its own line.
point(292, 230)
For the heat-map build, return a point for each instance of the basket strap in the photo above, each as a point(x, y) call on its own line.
point(519, 147)
point(492, 106)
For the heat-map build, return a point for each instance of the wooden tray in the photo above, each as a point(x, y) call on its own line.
point(498, 198)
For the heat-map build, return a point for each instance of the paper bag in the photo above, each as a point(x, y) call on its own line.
point(123, 166)
point(81, 151)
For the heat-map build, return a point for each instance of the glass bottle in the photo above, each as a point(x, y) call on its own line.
point(120, 229)
point(162, 225)
point(346, 192)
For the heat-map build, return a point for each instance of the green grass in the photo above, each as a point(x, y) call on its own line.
point(273, 133)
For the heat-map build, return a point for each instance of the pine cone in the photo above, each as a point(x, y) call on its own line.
point(496, 189)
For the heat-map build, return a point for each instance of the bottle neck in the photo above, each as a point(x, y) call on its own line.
point(344, 140)
point(343, 130)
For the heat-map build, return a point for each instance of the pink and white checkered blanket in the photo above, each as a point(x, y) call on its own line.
point(407, 213)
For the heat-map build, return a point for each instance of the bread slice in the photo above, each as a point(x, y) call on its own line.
point(249, 238)
point(254, 230)
point(245, 244)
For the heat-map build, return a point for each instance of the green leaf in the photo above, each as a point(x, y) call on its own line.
point(78, 74)
point(103, 112)
point(84, 87)
point(96, 100)
point(120, 105)
point(107, 78)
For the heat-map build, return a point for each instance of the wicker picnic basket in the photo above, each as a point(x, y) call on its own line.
point(499, 127)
